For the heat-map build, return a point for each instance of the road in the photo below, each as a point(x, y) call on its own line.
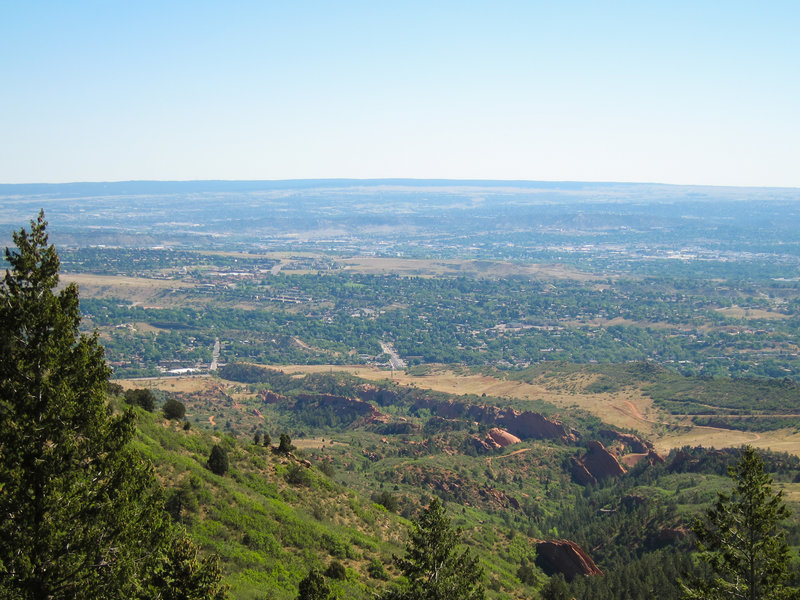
point(394, 359)
point(215, 356)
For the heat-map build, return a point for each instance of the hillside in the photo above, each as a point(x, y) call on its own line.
point(514, 483)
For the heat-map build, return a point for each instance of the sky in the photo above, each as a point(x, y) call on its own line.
point(683, 92)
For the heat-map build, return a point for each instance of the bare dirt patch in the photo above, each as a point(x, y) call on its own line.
point(782, 440)
point(476, 268)
point(169, 384)
point(737, 312)
point(135, 289)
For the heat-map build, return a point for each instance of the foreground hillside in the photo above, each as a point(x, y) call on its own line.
point(516, 480)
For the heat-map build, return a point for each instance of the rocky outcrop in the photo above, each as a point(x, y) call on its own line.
point(565, 557)
point(270, 397)
point(628, 441)
point(580, 473)
point(372, 393)
point(533, 425)
point(500, 438)
point(596, 465)
point(525, 425)
point(348, 409)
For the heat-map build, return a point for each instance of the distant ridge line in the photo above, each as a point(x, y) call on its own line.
point(101, 188)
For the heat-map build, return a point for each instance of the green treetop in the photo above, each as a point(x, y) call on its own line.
point(434, 567)
point(742, 540)
point(81, 514)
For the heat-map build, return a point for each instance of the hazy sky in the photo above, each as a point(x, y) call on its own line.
point(659, 91)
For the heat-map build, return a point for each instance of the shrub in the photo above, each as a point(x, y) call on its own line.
point(218, 460)
point(336, 570)
point(143, 398)
point(173, 409)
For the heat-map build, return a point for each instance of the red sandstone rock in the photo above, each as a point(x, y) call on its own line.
point(600, 462)
point(502, 438)
point(597, 464)
point(522, 424)
point(566, 557)
point(635, 443)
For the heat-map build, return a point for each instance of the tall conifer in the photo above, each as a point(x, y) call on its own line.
point(79, 510)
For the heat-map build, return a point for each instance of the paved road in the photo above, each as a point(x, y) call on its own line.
point(394, 359)
point(215, 356)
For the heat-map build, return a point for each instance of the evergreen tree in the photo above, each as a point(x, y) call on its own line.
point(183, 575)
point(80, 513)
point(285, 444)
point(433, 566)
point(174, 409)
point(742, 540)
point(313, 587)
point(218, 460)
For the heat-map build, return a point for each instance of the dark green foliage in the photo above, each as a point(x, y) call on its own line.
point(182, 575)
point(376, 570)
point(174, 409)
point(742, 540)
point(218, 460)
point(526, 574)
point(556, 589)
point(298, 475)
point(257, 438)
point(187, 425)
point(80, 515)
point(313, 587)
point(387, 500)
point(433, 566)
point(267, 440)
point(140, 397)
point(179, 502)
point(336, 570)
point(285, 444)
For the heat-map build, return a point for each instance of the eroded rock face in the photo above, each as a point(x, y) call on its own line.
point(524, 425)
point(351, 409)
point(597, 464)
point(270, 397)
point(533, 425)
point(635, 443)
point(372, 393)
point(565, 557)
point(501, 438)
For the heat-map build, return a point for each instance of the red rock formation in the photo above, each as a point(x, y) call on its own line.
point(631, 460)
point(635, 443)
point(581, 474)
point(522, 424)
point(501, 438)
point(372, 393)
point(566, 557)
point(271, 397)
point(533, 425)
point(597, 464)
point(600, 462)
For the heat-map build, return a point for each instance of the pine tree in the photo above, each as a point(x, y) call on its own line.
point(313, 587)
point(742, 540)
point(218, 460)
point(433, 566)
point(80, 514)
point(183, 575)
